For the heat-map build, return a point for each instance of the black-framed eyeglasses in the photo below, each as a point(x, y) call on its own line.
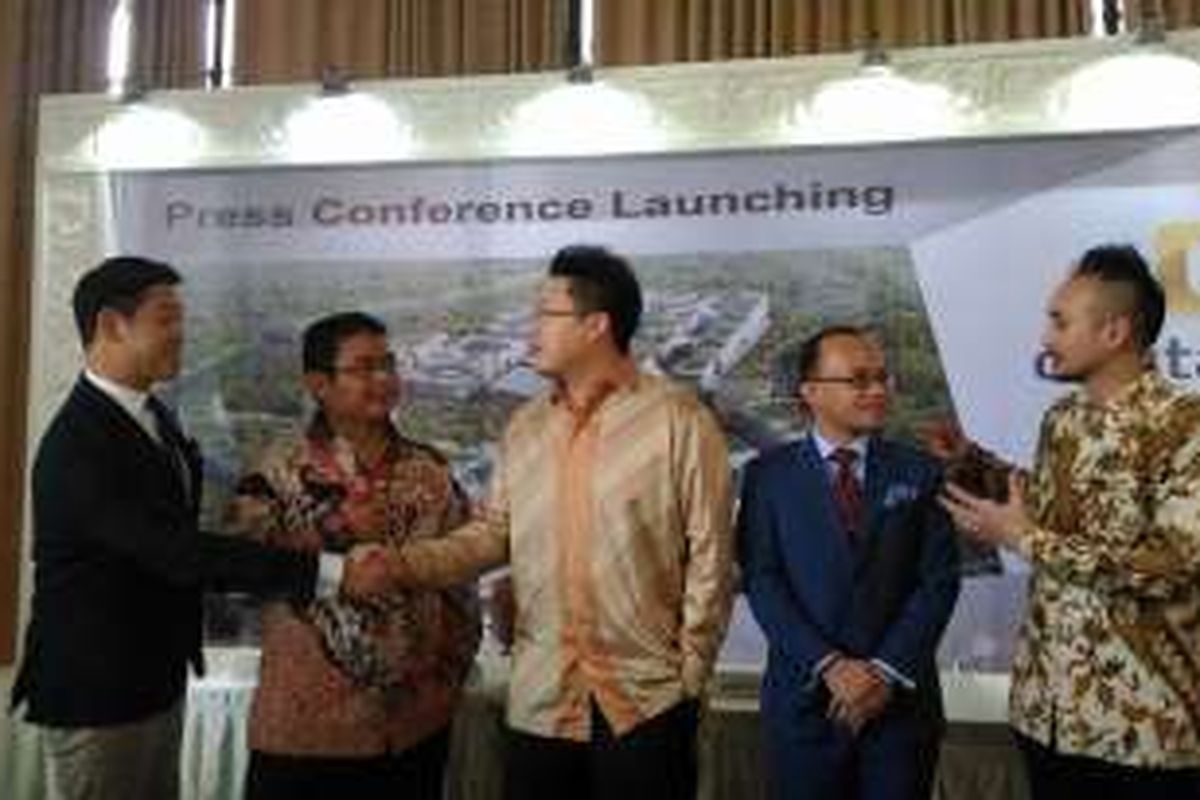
point(859, 382)
point(386, 366)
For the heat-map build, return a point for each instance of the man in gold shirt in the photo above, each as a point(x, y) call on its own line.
point(611, 501)
point(1106, 678)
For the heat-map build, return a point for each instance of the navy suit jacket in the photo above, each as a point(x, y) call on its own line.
point(119, 567)
point(887, 596)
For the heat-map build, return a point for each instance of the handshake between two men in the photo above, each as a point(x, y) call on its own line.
point(368, 571)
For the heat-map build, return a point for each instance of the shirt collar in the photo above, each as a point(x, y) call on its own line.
point(622, 375)
point(128, 398)
point(825, 447)
point(1129, 397)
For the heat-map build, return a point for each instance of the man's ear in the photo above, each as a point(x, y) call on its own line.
point(110, 325)
point(1118, 331)
point(804, 392)
point(599, 326)
point(317, 384)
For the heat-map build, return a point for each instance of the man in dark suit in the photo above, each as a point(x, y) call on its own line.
point(851, 570)
point(119, 562)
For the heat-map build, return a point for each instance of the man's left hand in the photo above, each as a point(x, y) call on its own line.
point(986, 520)
point(860, 693)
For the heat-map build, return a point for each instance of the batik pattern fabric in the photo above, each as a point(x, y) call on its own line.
point(359, 676)
point(1108, 659)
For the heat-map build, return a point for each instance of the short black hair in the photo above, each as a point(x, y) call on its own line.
point(602, 281)
point(1123, 265)
point(323, 338)
point(117, 283)
point(810, 348)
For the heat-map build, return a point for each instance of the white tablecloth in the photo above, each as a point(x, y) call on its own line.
point(978, 762)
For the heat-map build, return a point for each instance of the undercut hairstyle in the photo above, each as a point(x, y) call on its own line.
point(1120, 267)
point(117, 284)
point(810, 349)
point(323, 338)
point(601, 281)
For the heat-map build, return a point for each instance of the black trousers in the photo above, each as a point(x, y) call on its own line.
point(654, 761)
point(413, 774)
point(1055, 776)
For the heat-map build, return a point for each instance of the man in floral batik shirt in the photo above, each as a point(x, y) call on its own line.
point(1106, 678)
point(356, 696)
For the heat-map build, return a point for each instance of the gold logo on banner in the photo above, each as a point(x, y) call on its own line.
point(1172, 243)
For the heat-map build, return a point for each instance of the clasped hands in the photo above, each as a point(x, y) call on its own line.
point(859, 692)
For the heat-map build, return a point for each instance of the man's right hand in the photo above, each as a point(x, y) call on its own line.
point(858, 692)
point(366, 572)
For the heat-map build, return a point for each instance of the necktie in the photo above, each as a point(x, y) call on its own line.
point(170, 436)
point(847, 493)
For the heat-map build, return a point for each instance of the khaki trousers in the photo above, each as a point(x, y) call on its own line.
point(133, 761)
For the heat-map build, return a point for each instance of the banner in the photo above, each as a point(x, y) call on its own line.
point(949, 249)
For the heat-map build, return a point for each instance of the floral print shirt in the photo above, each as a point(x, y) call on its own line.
point(342, 677)
point(1108, 660)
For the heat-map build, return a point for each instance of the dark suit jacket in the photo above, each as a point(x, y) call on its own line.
point(119, 566)
point(887, 596)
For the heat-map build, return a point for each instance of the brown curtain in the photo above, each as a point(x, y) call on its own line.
point(660, 31)
point(16, 115)
point(292, 40)
point(169, 43)
point(71, 49)
point(45, 46)
point(1174, 13)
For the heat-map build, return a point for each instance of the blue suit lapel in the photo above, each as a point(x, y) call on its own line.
point(879, 475)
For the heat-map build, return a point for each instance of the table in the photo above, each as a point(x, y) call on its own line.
point(978, 759)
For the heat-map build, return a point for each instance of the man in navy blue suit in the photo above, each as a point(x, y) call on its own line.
point(851, 569)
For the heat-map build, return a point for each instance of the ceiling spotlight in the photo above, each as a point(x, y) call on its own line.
point(1151, 29)
point(580, 41)
point(335, 81)
point(874, 57)
point(132, 91)
point(580, 74)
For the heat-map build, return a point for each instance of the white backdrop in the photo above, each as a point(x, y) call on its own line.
point(991, 226)
point(978, 231)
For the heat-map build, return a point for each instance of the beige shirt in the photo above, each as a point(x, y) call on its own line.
point(1108, 660)
point(616, 520)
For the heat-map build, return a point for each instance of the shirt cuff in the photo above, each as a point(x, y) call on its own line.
point(330, 567)
point(818, 670)
point(894, 676)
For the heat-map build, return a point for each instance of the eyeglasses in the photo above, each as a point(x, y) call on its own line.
point(556, 312)
point(860, 382)
point(386, 367)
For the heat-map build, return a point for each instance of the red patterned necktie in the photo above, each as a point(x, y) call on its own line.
point(847, 493)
